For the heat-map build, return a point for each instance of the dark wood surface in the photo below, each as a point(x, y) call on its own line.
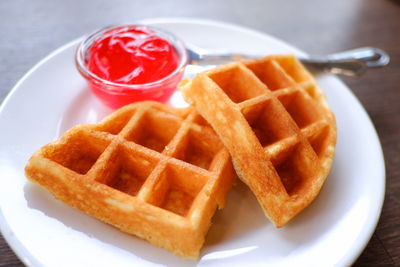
point(29, 30)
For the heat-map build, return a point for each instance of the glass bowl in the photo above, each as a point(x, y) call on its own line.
point(116, 95)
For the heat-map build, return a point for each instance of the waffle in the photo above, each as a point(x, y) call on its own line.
point(274, 120)
point(150, 170)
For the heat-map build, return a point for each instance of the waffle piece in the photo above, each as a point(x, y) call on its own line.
point(151, 170)
point(276, 124)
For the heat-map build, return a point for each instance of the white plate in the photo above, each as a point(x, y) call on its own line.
point(52, 97)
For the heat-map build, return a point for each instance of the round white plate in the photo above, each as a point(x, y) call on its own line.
point(53, 97)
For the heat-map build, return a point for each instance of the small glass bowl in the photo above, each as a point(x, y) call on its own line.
point(116, 95)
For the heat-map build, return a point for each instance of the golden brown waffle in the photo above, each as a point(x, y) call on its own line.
point(153, 171)
point(276, 124)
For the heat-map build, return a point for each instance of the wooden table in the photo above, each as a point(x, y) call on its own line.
point(32, 29)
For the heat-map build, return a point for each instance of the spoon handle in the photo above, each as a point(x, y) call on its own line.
point(350, 63)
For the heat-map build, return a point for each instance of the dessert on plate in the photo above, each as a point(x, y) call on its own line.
point(274, 120)
point(151, 170)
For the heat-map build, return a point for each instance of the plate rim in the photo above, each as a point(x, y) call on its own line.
point(349, 258)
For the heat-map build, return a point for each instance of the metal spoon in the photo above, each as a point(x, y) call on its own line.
point(349, 63)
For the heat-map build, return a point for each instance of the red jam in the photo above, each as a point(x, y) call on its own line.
point(132, 55)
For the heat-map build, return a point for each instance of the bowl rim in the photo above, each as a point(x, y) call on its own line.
point(83, 46)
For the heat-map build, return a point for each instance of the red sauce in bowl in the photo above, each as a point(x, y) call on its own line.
point(132, 55)
point(131, 63)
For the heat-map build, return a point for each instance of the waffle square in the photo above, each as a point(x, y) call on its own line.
point(274, 120)
point(148, 169)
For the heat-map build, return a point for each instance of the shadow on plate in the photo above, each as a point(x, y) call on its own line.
point(242, 227)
